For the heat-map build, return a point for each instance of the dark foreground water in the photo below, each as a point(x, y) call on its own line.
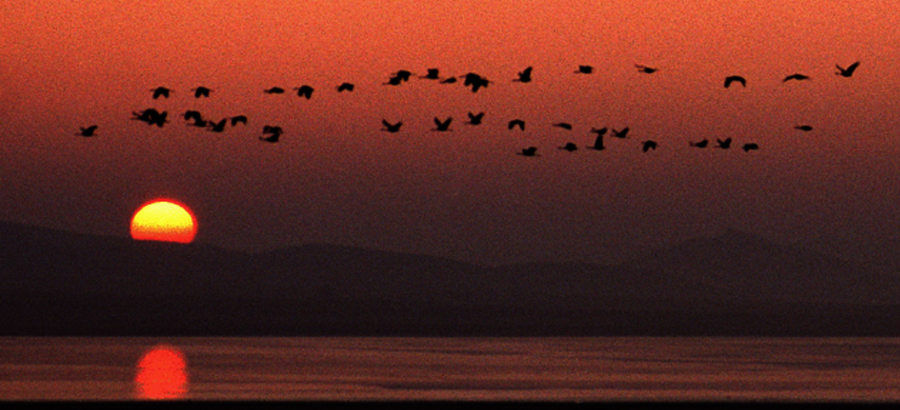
point(557, 369)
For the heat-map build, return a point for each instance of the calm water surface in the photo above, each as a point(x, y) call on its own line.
point(627, 368)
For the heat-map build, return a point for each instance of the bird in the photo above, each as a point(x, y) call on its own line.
point(699, 144)
point(524, 76)
point(475, 80)
point(648, 145)
point(645, 69)
point(304, 91)
point(160, 119)
point(847, 72)
point(448, 80)
point(584, 69)
point(620, 134)
point(528, 152)
point(570, 146)
point(240, 118)
point(563, 125)
point(598, 142)
point(148, 115)
point(87, 132)
point(151, 116)
point(160, 91)
point(723, 144)
point(274, 131)
point(218, 126)
point(403, 75)
point(733, 78)
point(442, 125)
point(432, 74)
point(391, 127)
point(393, 81)
point(201, 92)
point(274, 90)
point(795, 77)
point(750, 146)
point(521, 124)
point(345, 87)
point(475, 119)
point(804, 127)
point(192, 114)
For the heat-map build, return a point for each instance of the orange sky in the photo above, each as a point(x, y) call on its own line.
point(335, 177)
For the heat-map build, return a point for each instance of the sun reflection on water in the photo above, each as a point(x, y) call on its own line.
point(162, 374)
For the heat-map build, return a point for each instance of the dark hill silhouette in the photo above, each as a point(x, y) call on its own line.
point(63, 283)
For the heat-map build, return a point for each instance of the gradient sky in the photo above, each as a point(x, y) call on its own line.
point(335, 177)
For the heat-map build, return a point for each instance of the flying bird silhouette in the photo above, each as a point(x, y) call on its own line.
point(403, 75)
point(570, 146)
point(847, 72)
point(391, 127)
point(750, 146)
point(475, 119)
point(442, 125)
point(733, 78)
point(432, 74)
point(218, 126)
point(797, 77)
point(192, 114)
point(620, 134)
point(517, 123)
point(240, 118)
point(723, 144)
point(88, 131)
point(160, 91)
point(524, 76)
point(149, 115)
point(160, 119)
point(528, 152)
point(475, 80)
point(645, 69)
point(598, 142)
point(564, 125)
point(699, 144)
point(584, 69)
point(201, 92)
point(648, 145)
point(304, 91)
point(345, 87)
point(274, 90)
point(393, 81)
point(274, 133)
point(804, 127)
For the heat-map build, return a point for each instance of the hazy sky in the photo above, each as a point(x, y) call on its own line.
point(335, 177)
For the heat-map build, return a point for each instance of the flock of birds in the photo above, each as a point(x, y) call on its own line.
point(271, 133)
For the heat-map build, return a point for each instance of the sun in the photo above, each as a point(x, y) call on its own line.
point(164, 220)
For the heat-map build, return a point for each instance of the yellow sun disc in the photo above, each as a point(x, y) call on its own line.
point(164, 220)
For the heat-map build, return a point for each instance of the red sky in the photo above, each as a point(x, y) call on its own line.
point(335, 177)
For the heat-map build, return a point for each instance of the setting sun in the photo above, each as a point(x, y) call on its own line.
point(164, 220)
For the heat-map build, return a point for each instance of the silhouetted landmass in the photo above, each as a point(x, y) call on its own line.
point(62, 283)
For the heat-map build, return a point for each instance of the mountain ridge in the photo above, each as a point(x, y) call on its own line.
point(736, 283)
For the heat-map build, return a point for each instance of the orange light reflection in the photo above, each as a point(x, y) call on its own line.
point(162, 374)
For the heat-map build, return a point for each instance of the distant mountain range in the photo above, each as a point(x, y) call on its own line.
point(63, 283)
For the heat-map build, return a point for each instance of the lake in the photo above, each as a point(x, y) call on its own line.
point(482, 369)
